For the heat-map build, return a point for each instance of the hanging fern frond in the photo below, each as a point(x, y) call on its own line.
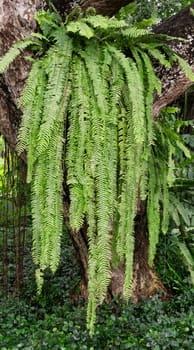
point(47, 199)
point(38, 204)
point(171, 165)
point(100, 119)
point(132, 76)
point(27, 101)
point(151, 82)
point(165, 201)
point(153, 211)
point(32, 101)
point(76, 146)
point(57, 70)
point(185, 67)
point(15, 51)
point(132, 177)
point(54, 222)
point(102, 91)
point(154, 50)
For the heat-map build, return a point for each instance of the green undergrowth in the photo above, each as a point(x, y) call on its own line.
point(56, 319)
point(151, 324)
point(170, 263)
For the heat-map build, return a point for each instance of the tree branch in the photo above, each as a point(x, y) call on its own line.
point(174, 81)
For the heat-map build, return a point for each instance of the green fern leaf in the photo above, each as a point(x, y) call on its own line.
point(153, 211)
point(188, 258)
point(81, 28)
point(185, 67)
point(105, 23)
point(15, 51)
point(31, 105)
point(58, 69)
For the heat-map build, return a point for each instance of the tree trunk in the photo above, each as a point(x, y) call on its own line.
point(145, 281)
point(16, 21)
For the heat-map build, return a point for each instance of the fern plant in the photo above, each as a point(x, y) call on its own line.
point(97, 74)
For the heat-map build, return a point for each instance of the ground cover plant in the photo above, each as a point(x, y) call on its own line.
point(55, 320)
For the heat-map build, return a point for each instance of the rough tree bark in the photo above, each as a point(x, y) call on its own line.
point(105, 7)
point(17, 20)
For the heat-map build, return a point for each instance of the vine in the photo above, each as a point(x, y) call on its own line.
point(94, 74)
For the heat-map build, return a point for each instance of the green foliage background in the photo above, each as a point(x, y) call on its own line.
point(53, 320)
